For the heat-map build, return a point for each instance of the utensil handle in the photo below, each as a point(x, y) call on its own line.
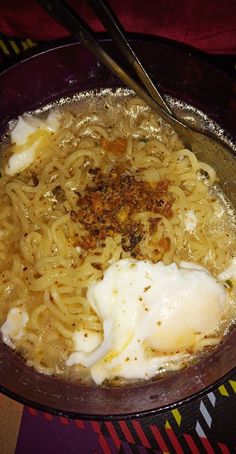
point(112, 25)
point(62, 12)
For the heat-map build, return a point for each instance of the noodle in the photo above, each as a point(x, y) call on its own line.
point(51, 246)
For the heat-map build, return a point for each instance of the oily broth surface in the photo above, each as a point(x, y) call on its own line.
point(44, 264)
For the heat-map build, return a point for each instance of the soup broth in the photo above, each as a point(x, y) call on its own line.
point(97, 181)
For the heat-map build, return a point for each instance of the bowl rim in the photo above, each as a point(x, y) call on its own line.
point(48, 46)
point(119, 416)
point(165, 407)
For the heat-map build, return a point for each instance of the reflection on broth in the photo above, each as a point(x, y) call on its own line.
point(117, 246)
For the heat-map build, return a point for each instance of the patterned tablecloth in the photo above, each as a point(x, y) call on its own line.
point(206, 425)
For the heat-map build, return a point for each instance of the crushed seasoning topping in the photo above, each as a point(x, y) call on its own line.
point(116, 147)
point(59, 194)
point(35, 179)
point(108, 204)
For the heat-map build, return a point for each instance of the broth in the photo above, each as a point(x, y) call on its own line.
point(107, 181)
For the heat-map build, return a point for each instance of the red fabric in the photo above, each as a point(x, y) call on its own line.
point(209, 25)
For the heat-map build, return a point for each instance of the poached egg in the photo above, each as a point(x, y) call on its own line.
point(26, 138)
point(153, 315)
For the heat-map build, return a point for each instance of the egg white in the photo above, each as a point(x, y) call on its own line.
point(25, 153)
point(27, 124)
point(152, 315)
point(14, 326)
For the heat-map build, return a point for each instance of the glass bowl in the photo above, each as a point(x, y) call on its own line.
point(61, 72)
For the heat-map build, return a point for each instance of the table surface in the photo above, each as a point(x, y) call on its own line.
point(206, 425)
